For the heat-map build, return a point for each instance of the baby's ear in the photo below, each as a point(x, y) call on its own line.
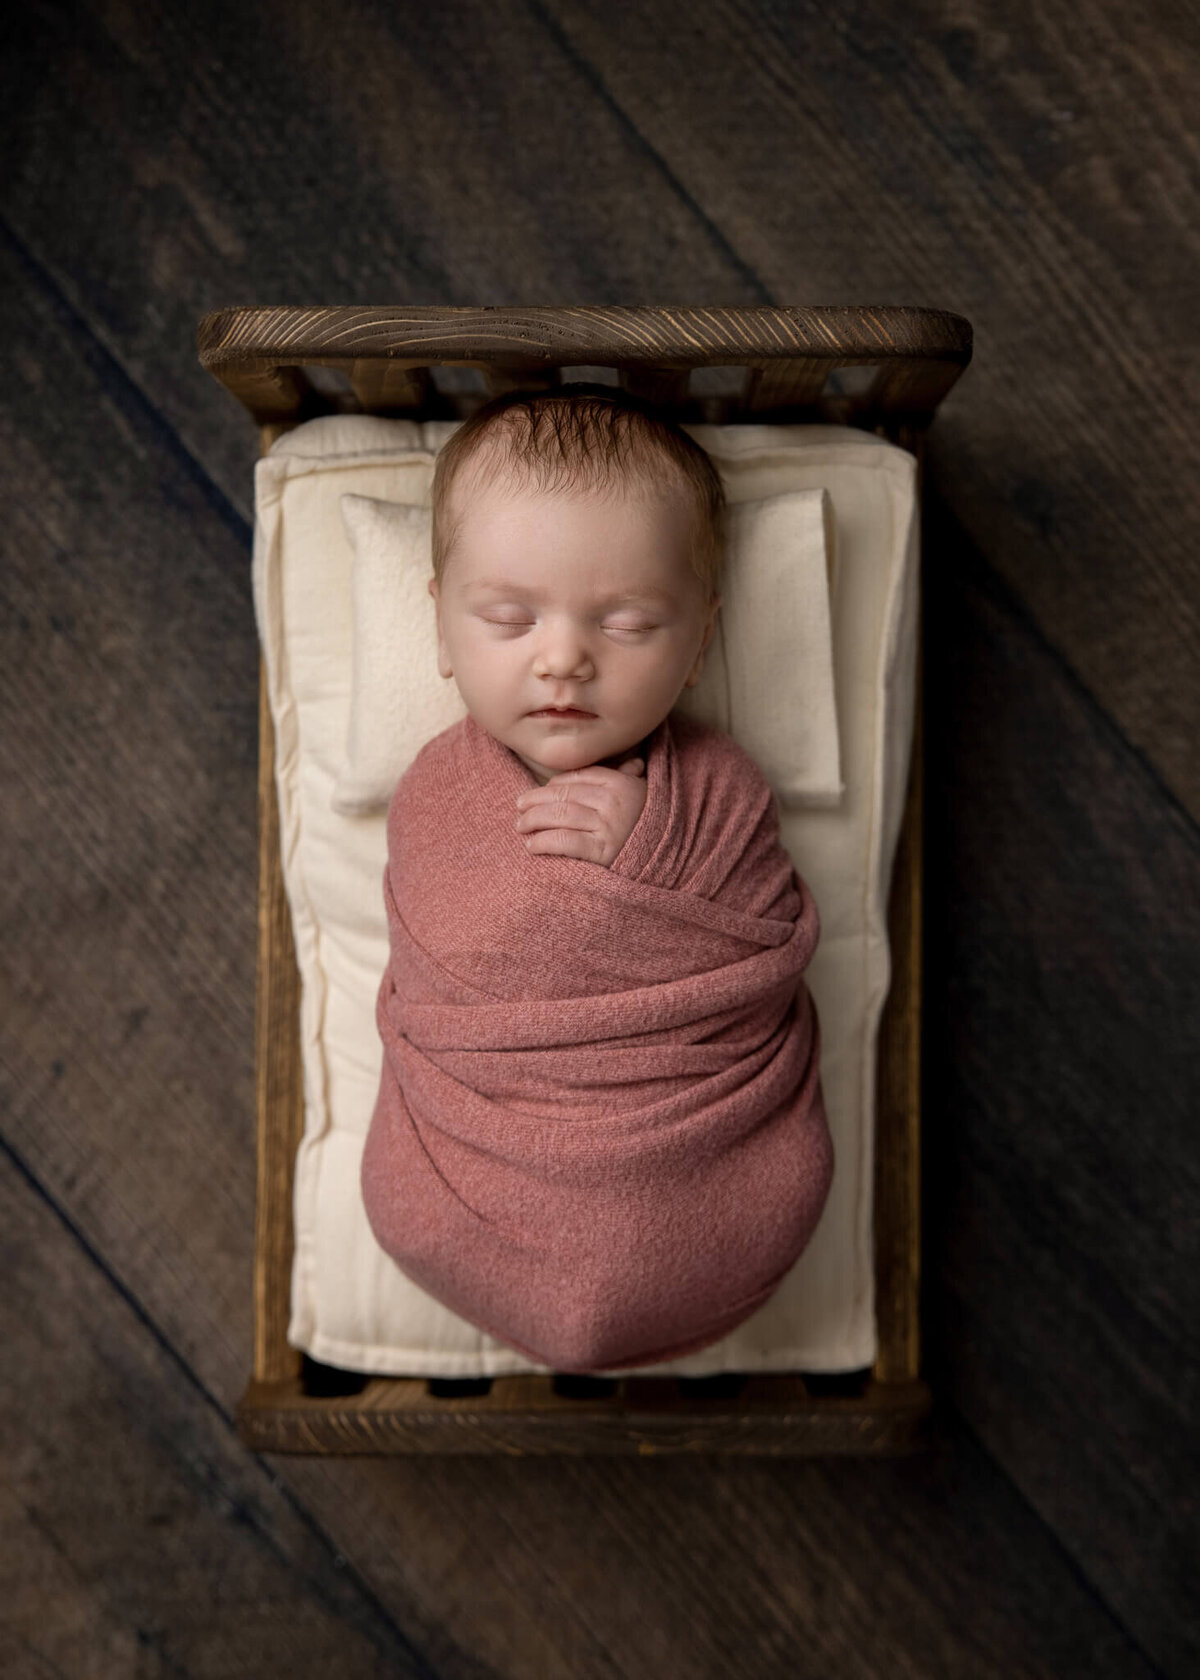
point(444, 666)
point(693, 676)
point(711, 625)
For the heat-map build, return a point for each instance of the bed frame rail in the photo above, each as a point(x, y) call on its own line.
point(871, 367)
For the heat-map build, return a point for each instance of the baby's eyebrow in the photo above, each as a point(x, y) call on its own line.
point(650, 592)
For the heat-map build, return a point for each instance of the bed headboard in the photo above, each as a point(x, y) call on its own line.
point(885, 369)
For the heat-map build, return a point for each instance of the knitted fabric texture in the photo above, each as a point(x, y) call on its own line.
point(599, 1134)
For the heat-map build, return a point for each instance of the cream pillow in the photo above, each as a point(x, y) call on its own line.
point(767, 677)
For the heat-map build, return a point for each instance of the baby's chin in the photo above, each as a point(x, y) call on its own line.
point(566, 759)
point(543, 771)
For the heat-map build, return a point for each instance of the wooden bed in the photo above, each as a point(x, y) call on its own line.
point(881, 369)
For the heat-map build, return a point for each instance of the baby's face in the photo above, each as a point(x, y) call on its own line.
point(570, 599)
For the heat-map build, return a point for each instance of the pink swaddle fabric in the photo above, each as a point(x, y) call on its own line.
point(599, 1134)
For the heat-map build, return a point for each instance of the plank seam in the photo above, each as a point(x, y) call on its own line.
point(121, 384)
point(595, 81)
point(421, 1668)
point(946, 530)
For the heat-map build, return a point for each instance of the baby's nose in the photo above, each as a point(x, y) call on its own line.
point(562, 654)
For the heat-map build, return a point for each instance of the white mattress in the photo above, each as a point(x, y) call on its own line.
point(351, 1306)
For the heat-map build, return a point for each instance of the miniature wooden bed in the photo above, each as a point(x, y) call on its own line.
point(880, 369)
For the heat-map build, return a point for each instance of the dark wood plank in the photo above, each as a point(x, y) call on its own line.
point(1025, 170)
point(128, 667)
point(137, 1537)
point(930, 1566)
point(1063, 966)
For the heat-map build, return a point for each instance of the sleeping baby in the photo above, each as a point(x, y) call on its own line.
point(600, 1134)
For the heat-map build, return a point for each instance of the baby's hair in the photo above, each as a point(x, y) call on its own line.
point(587, 437)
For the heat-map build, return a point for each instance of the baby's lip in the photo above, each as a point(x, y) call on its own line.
point(562, 711)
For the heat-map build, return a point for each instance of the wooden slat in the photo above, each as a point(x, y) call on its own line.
point(665, 385)
point(501, 377)
point(274, 391)
point(396, 1416)
point(279, 1083)
point(791, 384)
point(910, 390)
point(381, 383)
point(897, 1205)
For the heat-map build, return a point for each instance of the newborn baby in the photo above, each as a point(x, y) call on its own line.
point(600, 1133)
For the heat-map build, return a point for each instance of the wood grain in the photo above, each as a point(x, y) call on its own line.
point(270, 359)
point(1062, 961)
point(128, 745)
point(124, 1487)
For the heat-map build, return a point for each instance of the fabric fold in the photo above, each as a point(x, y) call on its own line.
point(599, 1134)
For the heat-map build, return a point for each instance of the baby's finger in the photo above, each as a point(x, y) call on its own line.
point(563, 842)
point(592, 775)
point(556, 795)
point(569, 814)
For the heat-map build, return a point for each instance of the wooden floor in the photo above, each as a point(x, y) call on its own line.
point(1029, 166)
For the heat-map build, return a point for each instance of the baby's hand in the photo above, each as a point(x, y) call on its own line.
point(586, 814)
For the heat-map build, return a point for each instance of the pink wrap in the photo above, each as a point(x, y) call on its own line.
point(599, 1134)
